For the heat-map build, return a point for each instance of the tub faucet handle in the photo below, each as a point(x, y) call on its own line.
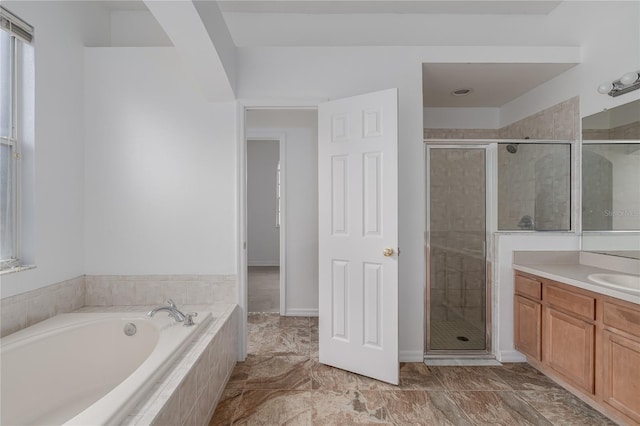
point(170, 303)
point(188, 318)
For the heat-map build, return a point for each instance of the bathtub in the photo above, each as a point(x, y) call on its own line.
point(82, 369)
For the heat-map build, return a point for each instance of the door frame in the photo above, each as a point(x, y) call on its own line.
point(490, 219)
point(242, 106)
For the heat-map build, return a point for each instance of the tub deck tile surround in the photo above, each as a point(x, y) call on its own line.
point(108, 290)
point(190, 390)
point(285, 384)
point(25, 309)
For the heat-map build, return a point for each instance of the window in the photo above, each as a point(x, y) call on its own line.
point(14, 34)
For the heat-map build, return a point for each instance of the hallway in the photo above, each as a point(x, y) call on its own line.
point(264, 289)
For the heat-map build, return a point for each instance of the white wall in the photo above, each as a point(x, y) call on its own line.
point(263, 236)
point(610, 48)
point(283, 73)
point(160, 168)
point(301, 185)
point(136, 28)
point(61, 30)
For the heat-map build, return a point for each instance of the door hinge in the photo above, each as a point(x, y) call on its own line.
point(244, 245)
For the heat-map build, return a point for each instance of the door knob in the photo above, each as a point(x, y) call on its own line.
point(388, 251)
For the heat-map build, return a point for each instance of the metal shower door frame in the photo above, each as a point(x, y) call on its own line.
point(489, 148)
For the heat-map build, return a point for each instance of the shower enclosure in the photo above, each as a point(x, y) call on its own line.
point(475, 189)
point(457, 314)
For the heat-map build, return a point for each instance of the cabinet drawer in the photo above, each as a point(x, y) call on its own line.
point(578, 304)
point(622, 318)
point(529, 287)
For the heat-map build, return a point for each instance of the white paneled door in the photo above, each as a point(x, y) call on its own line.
point(358, 234)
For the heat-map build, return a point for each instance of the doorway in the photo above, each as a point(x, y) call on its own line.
point(457, 290)
point(264, 209)
point(292, 213)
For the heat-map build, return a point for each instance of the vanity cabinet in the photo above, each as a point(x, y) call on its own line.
point(587, 341)
point(528, 317)
point(621, 358)
point(569, 335)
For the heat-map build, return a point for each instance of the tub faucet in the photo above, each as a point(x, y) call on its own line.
point(172, 309)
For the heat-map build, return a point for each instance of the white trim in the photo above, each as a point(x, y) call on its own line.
point(301, 312)
point(411, 356)
point(263, 263)
point(510, 356)
point(241, 230)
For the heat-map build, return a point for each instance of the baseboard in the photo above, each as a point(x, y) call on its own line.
point(411, 356)
point(301, 312)
point(510, 356)
point(263, 263)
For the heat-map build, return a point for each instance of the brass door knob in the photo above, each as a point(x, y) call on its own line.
point(388, 251)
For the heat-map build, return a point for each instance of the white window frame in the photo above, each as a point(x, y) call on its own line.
point(19, 32)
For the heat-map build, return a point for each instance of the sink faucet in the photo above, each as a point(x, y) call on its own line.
point(174, 312)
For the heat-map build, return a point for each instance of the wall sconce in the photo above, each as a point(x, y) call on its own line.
point(625, 84)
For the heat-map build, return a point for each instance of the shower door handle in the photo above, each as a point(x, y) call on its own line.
point(388, 252)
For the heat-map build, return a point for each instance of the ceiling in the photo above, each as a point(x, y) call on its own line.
point(482, 7)
point(450, 7)
point(359, 22)
point(493, 84)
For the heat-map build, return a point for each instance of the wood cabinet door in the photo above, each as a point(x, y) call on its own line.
point(528, 326)
point(621, 373)
point(569, 348)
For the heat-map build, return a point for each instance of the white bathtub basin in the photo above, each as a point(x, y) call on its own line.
point(82, 369)
point(630, 283)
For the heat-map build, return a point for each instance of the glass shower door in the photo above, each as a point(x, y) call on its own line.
point(456, 224)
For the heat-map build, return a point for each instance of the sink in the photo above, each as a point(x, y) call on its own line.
point(618, 281)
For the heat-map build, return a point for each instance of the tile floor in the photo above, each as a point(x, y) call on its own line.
point(264, 288)
point(281, 382)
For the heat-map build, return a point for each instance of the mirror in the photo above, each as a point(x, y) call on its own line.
point(611, 181)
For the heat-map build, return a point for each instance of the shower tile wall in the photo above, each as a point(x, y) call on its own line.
point(535, 182)
point(531, 183)
point(559, 122)
point(457, 235)
point(460, 134)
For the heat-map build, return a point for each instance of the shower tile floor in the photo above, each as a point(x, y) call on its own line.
point(444, 336)
point(282, 382)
